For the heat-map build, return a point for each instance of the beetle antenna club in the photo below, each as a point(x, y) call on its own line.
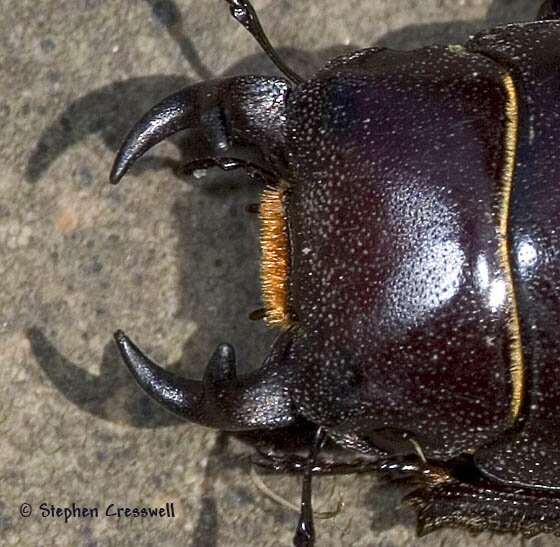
point(244, 12)
point(415, 285)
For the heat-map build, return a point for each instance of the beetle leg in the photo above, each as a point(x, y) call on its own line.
point(305, 532)
point(221, 400)
point(483, 505)
point(412, 471)
point(244, 111)
point(297, 465)
point(395, 468)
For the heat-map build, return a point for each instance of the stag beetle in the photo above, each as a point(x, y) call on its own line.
point(411, 257)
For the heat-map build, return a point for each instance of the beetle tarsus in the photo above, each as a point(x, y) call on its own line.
point(296, 464)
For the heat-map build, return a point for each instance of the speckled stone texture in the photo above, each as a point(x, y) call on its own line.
point(172, 262)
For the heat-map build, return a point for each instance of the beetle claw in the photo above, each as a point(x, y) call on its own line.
point(173, 392)
point(226, 111)
point(221, 400)
point(174, 113)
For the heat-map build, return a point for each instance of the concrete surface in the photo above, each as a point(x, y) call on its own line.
point(173, 262)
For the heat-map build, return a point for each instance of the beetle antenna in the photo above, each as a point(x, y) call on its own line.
point(244, 12)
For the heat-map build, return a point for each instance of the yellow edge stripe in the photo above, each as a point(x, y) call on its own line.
point(274, 257)
point(510, 145)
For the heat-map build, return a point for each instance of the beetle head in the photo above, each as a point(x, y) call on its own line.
point(248, 112)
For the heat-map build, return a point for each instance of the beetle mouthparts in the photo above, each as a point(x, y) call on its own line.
point(221, 400)
point(274, 260)
point(173, 392)
point(209, 107)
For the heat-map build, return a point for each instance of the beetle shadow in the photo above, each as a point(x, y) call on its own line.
point(110, 395)
point(205, 531)
point(106, 112)
point(388, 509)
point(218, 247)
point(216, 256)
point(167, 15)
point(220, 461)
point(509, 11)
point(219, 256)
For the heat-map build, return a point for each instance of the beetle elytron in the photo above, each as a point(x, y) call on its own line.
point(411, 255)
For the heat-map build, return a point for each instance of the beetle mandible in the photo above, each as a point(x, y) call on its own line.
point(410, 255)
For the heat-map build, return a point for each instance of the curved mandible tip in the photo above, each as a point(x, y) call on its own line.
point(172, 114)
point(176, 394)
point(245, 110)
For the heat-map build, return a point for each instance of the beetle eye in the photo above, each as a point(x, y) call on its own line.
point(274, 260)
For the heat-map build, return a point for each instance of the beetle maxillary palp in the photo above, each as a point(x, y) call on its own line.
point(257, 315)
point(252, 170)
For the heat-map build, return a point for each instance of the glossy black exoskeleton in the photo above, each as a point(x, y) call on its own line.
point(411, 255)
